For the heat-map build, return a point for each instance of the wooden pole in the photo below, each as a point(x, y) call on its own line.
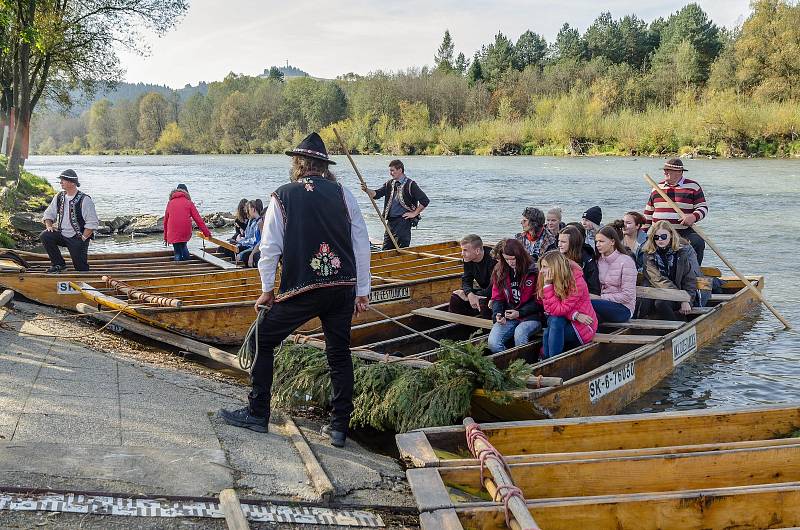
point(714, 247)
point(232, 508)
point(322, 483)
point(363, 182)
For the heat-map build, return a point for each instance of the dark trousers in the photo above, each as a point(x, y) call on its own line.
point(660, 309)
point(608, 311)
point(334, 307)
point(78, 249)
point(401, 228)
point(181, 251)
point(461, 307)
point(559, 335)
point(697, 242)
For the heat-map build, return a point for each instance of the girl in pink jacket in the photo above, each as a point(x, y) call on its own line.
point(571, 321)
point(178, 222)
point(617, 278)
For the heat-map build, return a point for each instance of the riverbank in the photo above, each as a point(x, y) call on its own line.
point(20, 203)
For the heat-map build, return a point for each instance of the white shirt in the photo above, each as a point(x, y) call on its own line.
point(271, 245)
point(90, 218)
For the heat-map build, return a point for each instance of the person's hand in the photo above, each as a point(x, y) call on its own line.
point(474, 300)
point(361, 305)
point(688, 219)
point(547, 275)
point(50, 228)
point(512, 314)
point(250, 260)
point(584, 319)
point(593, 296)
point(409, 215)
point(500, 318)
point(266, 299)
point(460, 293)
point(685, 308)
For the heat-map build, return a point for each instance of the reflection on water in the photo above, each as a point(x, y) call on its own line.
point(753, 218)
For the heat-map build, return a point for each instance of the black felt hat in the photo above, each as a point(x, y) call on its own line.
point(313, 147)
point(70, 175)
point(594, 214)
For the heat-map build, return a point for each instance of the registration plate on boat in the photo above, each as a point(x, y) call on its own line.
point(65, 288)
point(612, 380)
point(389, 295)
point(684, 345)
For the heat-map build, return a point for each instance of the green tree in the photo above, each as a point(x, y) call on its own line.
point(154, 115)
point(604, 39)
point(126, 123)
point(497, 58)
point(475, 72)
point(444, 55)
point(172, 141)
point(238, 121)
point(691, 23)
point(687, 64)
point(568, 46)
point(275, 74)
point(636, 41)
point(102, 131)
point(530, 49)
point(461, 64)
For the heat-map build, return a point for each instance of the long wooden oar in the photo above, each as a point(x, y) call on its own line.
point(714, 247)
point(374, 204)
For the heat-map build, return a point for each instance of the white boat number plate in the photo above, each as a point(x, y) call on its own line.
point(389, 295)
point(684, 345)
point(65, 288)
point(610, 381)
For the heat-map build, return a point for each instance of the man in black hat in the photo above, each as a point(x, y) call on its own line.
point(70, 221)
point(689, 197)
point(313, 225)
point(403, 201)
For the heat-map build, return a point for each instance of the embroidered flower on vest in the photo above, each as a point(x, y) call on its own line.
point(326, 262)
point(309, 184)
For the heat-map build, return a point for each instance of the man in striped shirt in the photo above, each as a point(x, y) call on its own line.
point(688, 195)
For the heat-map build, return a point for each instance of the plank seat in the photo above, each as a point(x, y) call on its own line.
point(212, 259)
point(721, 297)
point(658, 293)
point(475, 322)
point(643, 323)
point(607, 338)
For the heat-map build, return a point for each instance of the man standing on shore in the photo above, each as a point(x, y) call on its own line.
point(70, 221)
point(689, 197)
point(314, 227)
point(403, 201)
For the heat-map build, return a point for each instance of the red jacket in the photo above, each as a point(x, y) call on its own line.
point(576, 302)
point(529, 307)
point(178, 218)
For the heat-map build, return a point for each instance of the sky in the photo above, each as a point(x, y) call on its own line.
point(327, 38)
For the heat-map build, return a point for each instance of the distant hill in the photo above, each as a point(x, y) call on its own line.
point(287, 71)
point(129, 91)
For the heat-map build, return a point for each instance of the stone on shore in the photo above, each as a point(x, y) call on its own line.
point(145, 224)
point(28, 222)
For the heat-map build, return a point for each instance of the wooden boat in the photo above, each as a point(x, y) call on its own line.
point(34, 283)
point(218, 307)
point(702, 469)
point(622, 362)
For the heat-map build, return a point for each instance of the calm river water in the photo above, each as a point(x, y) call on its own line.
point(753, 218)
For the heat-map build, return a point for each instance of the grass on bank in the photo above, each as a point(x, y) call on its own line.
point(32, 193)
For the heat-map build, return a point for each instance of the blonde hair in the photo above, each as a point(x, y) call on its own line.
point(555, 210)
point(563, 280)
point(304, 165)
point(650, 246)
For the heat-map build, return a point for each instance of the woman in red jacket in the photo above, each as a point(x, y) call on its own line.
point(178, 222)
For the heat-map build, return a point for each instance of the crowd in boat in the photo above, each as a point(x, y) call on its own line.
point(566, 279)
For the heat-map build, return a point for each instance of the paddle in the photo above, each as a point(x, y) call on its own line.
point(699, 231)
point(374, 204)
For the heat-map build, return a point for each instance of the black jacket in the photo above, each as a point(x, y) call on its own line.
point(412, 195)
point(591, 273)
point(479, 272)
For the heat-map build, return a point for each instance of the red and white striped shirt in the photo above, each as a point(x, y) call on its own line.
point(687, 194)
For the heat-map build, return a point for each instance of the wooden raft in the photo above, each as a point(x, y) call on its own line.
point(143, 296)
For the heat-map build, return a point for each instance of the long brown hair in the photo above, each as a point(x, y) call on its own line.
point(563, 280)
point(241, 211)
point(611, 233)
point(511, 247)
point(302, 165)
point(575, 249)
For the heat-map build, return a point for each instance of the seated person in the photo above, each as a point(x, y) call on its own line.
point(252, 234)
point(618, 274)
point(552, 220)
point(570, 243)
point(478, 265)
point(669, 263)
point(240, 221)
point(516, 312)
point(633, 235)
point(535, 237)
point(591, 220)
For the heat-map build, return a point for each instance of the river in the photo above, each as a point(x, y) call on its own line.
point(753, 218)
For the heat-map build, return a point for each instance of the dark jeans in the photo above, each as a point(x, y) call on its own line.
point(608, 311)
point(460, 307)
point(181, 251)
point(697, 242)
point(401, 228)
point(78, 249)
point(559, 335)
point(334, 307)
point(660, 309)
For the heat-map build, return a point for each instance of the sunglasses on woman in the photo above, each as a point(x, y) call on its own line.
point(660, 237)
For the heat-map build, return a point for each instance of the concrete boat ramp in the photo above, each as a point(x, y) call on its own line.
point(98, 431)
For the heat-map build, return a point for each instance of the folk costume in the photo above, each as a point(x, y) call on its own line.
point(399, 197)
point(315, 228)
point(71, 215)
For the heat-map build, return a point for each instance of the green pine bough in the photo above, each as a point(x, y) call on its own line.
point(396, 397)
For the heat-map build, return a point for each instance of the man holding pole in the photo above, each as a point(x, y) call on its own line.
point(403, 201)
point(314, 227)
point(689, 197)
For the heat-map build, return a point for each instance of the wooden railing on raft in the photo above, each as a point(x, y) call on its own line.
point(219, 242)
point(142, 296)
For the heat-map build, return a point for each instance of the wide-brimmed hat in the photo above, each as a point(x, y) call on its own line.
point(674, 164)
point(70, 175)
point(313, 147)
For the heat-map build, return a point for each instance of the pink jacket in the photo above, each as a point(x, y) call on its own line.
point(576, 302)
point(178, 219)
point(618, 279)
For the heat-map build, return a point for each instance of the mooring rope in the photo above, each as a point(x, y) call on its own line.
point(5, 325)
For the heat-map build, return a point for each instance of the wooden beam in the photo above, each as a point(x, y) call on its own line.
point(446, 316)
point(232, 508)
point(322, 484)
point(212, 259)
point(711, 271)
point(606, 338)
point(219, 242)
point(6, 297)
point(428, 489)
point(721, 297)
point(641, 323)
point(415, 450)
point(657, 293)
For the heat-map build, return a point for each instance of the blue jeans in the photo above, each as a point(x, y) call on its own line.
point(558, 336)
point(522, 331)
point(181, 251)
point(608, 311)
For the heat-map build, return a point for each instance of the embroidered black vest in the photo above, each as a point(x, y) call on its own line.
point(404, 198)
point(317, 245)
point(75, 211)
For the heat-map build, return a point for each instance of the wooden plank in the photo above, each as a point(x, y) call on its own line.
point(322, 484)
point(232, 508)
point(721, 297)
point(440, 520)
point(606, 338)
point(711, 271)
point(446, 316)
point(700, 310)
point(415, 450)
point(6, 297)
point(657, 293)
point(212, 259)
point(428, 488)
point(642, 323)
point(218, 242)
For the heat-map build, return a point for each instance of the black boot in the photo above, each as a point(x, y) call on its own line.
point(337, 438)
point(243, 418)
